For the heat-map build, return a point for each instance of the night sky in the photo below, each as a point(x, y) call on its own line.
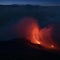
point(35, 2)
point(6, 29)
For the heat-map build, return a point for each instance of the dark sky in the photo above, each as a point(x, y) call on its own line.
point(41, 2)
point(34, 0)
point(30, 2)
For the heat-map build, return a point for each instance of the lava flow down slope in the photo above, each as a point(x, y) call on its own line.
point(29, 29)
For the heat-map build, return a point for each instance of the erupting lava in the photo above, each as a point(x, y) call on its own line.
point(29, 29)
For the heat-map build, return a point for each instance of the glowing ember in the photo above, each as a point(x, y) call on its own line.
point(52, 46)
point(29, 29)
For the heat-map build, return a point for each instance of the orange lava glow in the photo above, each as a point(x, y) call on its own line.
point(30, 30)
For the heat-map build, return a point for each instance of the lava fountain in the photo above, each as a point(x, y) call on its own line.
point(29, 29)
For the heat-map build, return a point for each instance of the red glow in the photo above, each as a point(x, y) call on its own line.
point(29, 29)
point(46, 38)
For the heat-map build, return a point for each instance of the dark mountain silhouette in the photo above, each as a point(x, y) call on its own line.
point(21, 50)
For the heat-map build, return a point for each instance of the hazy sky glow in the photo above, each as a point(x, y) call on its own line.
point(34, 2)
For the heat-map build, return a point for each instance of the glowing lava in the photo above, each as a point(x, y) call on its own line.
point(46, 38)
point(29, 29)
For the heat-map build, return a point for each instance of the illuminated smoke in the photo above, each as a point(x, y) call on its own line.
point(29, 29)
point(46, 38)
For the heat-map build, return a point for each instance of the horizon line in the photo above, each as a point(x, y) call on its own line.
point(33, 4)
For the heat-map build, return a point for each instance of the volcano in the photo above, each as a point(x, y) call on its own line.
point(29, 29)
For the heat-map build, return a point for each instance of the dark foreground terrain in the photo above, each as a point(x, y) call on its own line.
point(18, 49)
